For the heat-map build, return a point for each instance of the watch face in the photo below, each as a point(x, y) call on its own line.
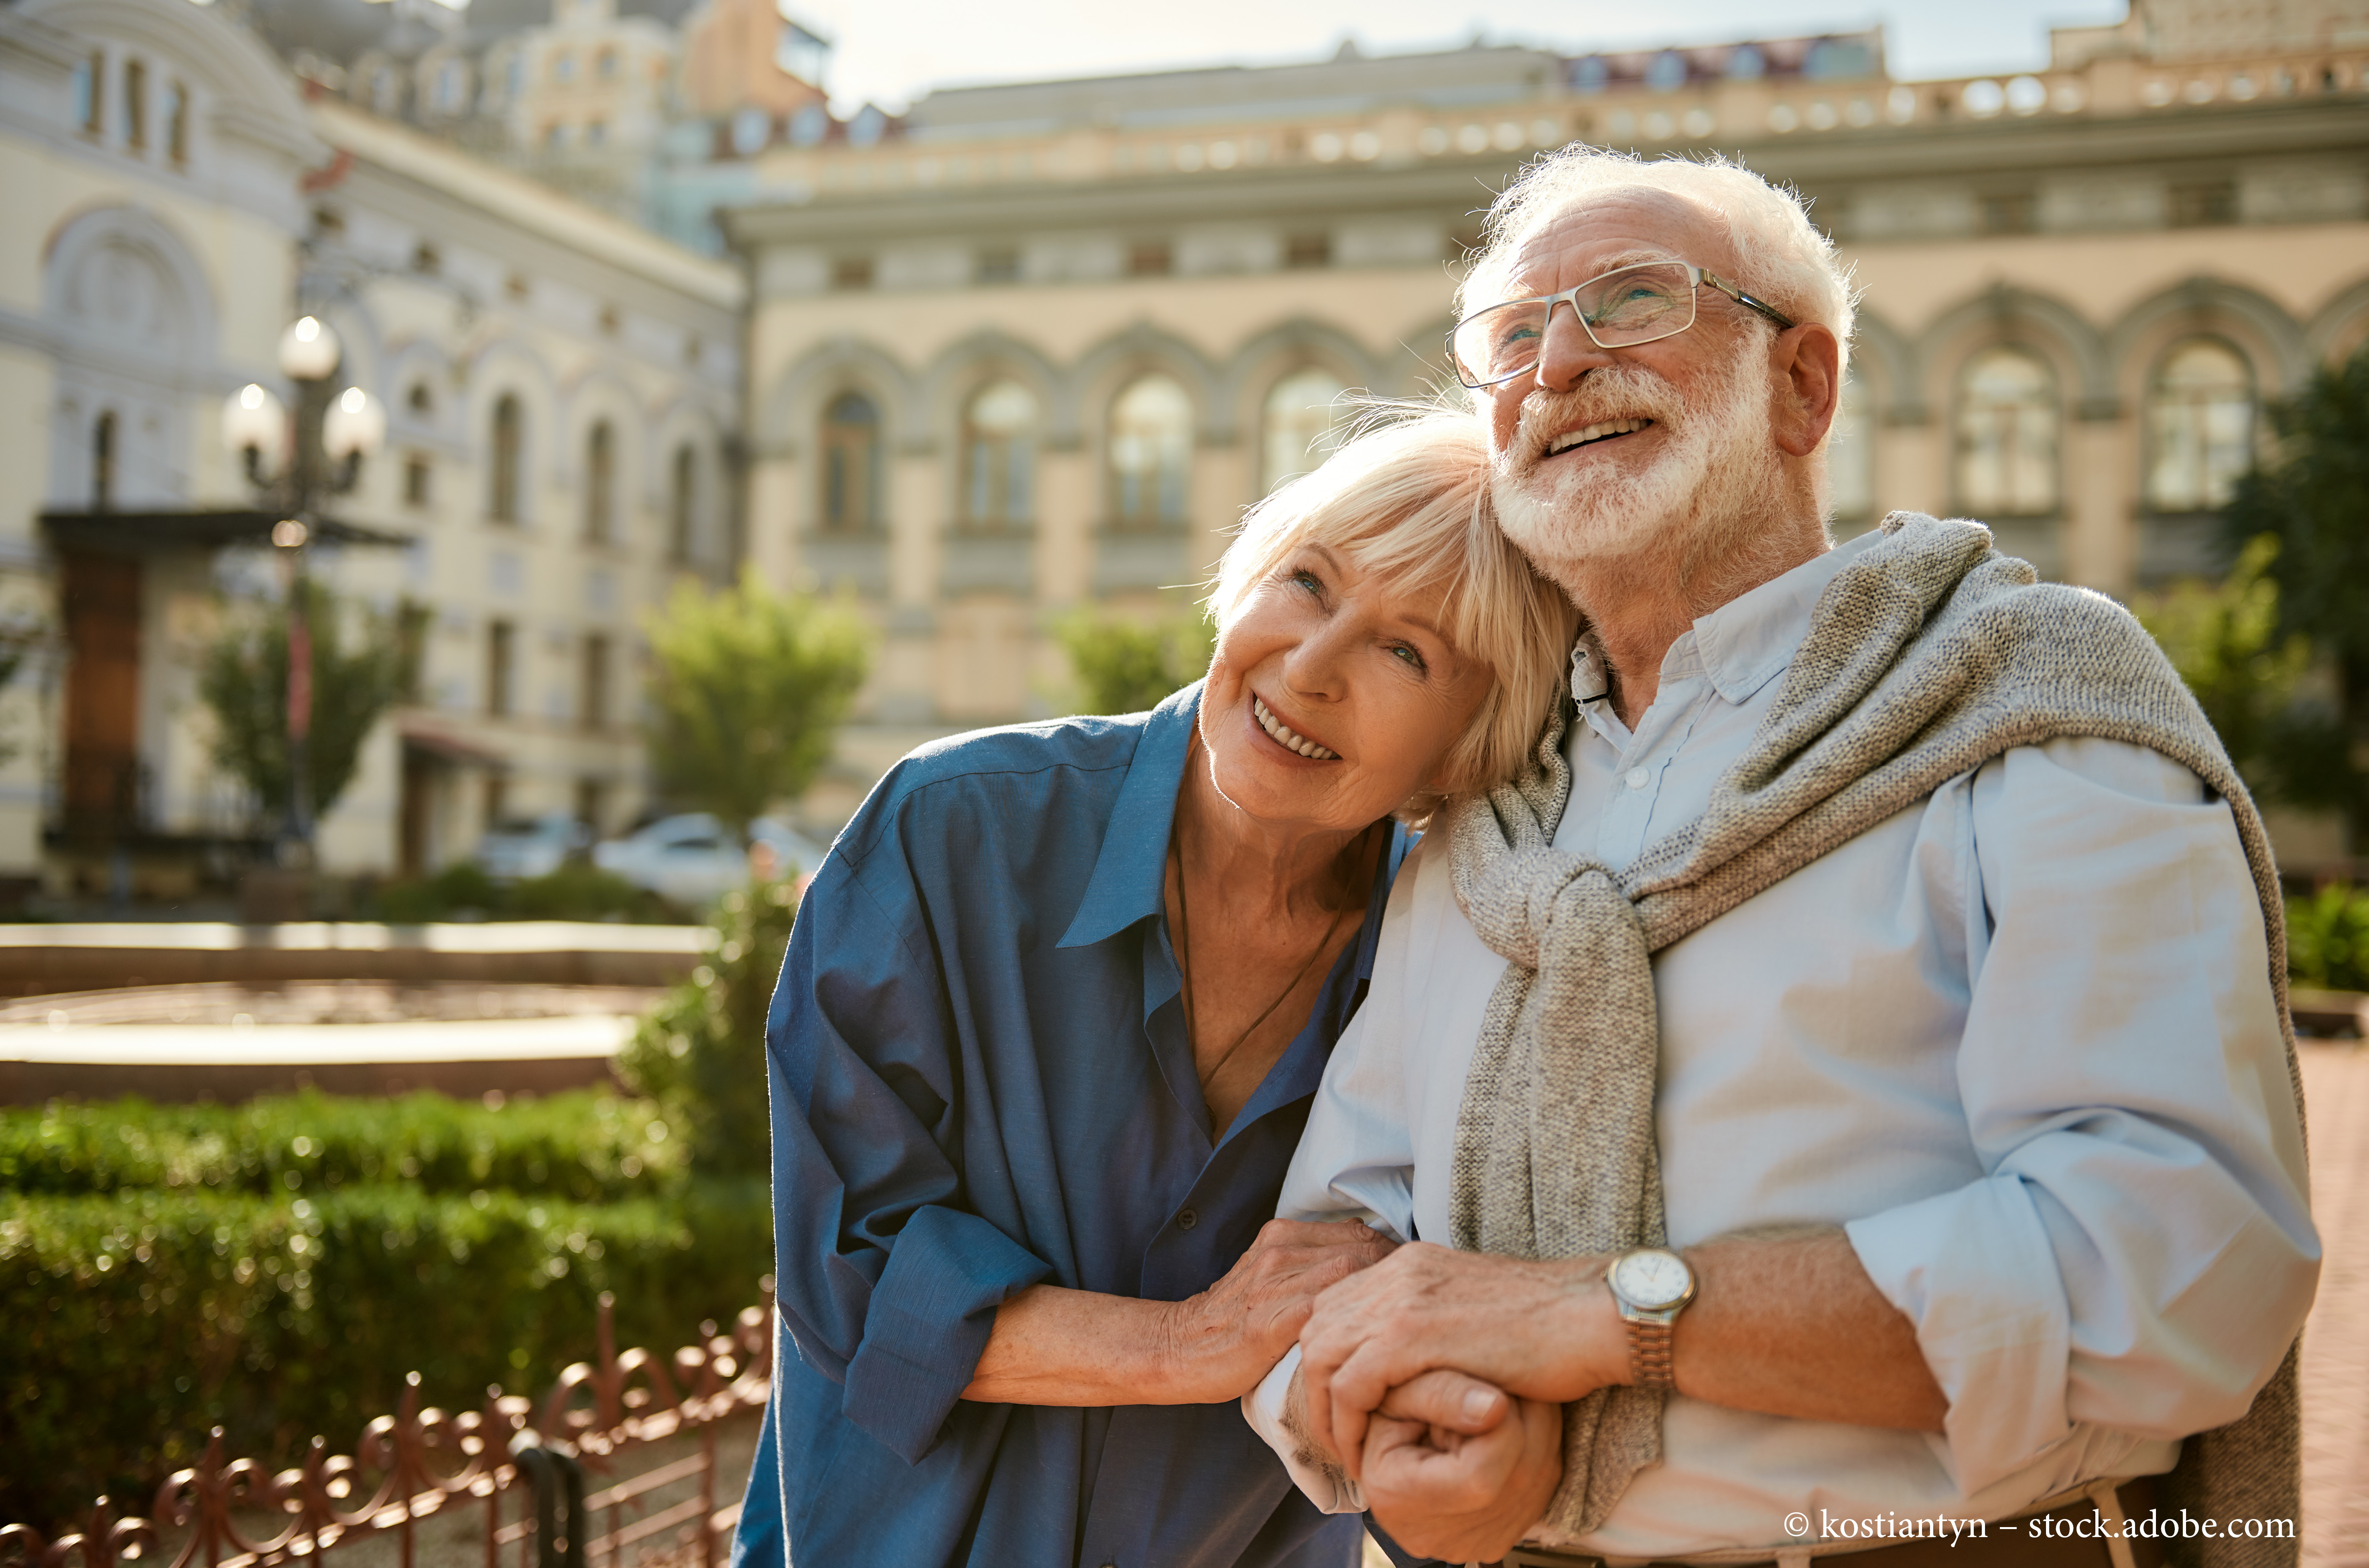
point(1652, 1279)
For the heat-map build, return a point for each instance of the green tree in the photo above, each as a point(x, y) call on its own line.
point(749, 689)
point(1125, 666)
point(2312, 495)
point(701, 1051)
point(243, 680)
point(2225, 640)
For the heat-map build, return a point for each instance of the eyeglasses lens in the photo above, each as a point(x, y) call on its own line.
point(1636, 305)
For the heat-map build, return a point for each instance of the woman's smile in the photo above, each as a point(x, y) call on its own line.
point(1287, 738)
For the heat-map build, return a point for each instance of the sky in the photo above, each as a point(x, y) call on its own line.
point(892, 51)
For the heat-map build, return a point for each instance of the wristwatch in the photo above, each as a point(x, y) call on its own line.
point(1650, 1285)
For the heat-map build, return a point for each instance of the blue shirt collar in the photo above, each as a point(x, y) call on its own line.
point(1129, 880)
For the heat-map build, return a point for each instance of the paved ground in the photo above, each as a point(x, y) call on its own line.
point(2336, 1342)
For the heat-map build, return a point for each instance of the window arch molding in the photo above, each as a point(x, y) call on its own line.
point(2274, 343)
point(508, 367)
point(2075, 348)
point(1102, 371)
point(2340, 326)
point(1294, 432)
point(790, 413)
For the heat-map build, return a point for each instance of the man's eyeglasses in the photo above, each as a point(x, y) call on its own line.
point(1617, 310)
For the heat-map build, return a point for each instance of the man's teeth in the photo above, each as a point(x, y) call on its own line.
point(1284, 735)
point(1596, 432)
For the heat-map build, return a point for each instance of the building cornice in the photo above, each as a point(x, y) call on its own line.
point(1315, 193)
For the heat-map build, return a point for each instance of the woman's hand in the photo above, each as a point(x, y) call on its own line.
point(1221, 1342)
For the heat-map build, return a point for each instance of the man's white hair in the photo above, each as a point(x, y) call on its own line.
point(1780, 256)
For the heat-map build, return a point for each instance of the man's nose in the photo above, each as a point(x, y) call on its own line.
point(1568, 352)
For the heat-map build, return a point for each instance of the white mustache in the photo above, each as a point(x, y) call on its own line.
point(1616, 392)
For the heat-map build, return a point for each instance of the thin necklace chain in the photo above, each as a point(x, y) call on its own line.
point(1184, 961)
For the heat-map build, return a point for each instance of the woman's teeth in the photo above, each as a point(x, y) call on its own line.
point(1284, 735)
point(1596, 432)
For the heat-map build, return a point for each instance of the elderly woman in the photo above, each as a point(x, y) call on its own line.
point(1047, 1032)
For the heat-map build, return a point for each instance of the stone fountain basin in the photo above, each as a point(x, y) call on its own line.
point(220, 1040)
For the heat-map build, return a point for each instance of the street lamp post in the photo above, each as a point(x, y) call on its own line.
point(296, 463)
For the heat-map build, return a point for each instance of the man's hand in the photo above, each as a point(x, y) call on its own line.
point(1221, 1342)
point(1545, 1330)
point(1462, 1496)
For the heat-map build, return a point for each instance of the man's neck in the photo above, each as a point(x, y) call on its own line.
point(1637, 606)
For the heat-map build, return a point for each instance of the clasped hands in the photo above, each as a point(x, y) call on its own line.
point(1437, 1379)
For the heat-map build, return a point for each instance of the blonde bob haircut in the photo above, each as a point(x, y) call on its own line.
point(1406, 497)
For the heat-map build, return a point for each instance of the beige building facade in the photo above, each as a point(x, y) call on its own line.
point(1035, 352)
point(561, 392)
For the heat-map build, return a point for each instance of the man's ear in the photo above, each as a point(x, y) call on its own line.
point(1810, 362)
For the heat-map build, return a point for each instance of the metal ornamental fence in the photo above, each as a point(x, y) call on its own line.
point(420, 1463)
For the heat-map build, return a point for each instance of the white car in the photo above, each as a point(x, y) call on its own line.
point(514, 851)
point(693, 861)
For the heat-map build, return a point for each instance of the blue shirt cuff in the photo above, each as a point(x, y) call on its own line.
point(927, 1325)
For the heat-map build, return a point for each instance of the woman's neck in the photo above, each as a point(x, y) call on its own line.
point(1291, 869)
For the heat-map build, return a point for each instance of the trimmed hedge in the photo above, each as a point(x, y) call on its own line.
point(138, 1319)
point(583, 1146)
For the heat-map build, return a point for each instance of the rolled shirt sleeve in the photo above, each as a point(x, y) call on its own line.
point(2140, 1254)
point(884, 1284)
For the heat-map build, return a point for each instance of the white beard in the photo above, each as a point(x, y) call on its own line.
point(1719, 476)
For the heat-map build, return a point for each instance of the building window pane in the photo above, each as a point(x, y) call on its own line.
point(599, 483)
point(102, 462)
point(135, 104)
point(1850, 455)
point(851, 464)
point(90, 93)
point(1151, 450)
point(999, 455)
point(683, 504)
point(2007, 435)
point(509, 433)
point(177, 122)
point(1302, 424)
point(501, 643)
point(594, 706)
point(2200, 426)
point(417, 487)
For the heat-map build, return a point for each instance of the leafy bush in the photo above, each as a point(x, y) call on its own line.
point(2328, 938)
point(746, 694)
point(582, 1146)
point(577, 891)
point(140, 1319)
point(701, 1051)
point(1126, 667)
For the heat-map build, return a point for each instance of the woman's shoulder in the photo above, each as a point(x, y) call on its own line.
point(1005, 769)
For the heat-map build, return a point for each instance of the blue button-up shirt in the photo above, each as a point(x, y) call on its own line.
point(981, 1080)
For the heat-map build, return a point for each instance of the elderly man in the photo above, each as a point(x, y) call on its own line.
point(1843, 1093)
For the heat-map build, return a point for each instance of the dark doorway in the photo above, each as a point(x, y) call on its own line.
point(101, 595)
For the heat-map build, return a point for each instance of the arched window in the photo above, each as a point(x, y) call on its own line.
point(422, 399)
point(683, 502)
point(102, 462)
point(1850, 455)
point(1301, 420)
point(851, 464)
point(1150, 449)
point(999, 455)
point(507, 467)
point(2200, 426)
point(599, 483)
point(2007, 435)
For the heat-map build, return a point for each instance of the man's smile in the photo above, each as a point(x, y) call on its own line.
point(1591, 435)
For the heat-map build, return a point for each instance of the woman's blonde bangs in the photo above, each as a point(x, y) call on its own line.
point(1406, 497)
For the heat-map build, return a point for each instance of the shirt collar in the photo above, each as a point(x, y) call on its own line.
point(1746, 641)
point(1129, 880)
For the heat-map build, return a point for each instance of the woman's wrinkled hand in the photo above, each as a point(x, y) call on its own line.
point(1228, 1337)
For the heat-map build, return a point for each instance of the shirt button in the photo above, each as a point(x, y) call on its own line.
point(1185, 1221)
point(1637, 777)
